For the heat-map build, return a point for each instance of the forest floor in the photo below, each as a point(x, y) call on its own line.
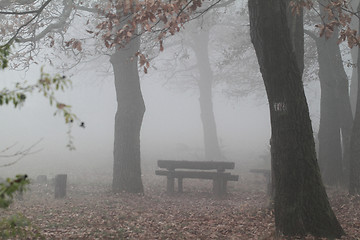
point(91, 211)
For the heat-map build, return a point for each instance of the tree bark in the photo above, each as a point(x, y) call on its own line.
point(211, 143)
point(301, 203)
point(336, 116)
point(330, 159)
point(128, 120)
point(354, 24)
point(354, 80)
point(296, 29)
point(354, 185)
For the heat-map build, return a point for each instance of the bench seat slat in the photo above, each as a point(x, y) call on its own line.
point(203, 165)
point(197, 174)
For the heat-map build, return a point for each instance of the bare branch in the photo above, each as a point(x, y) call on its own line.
point(38, 12)
point(58, 25)
point(21, 154)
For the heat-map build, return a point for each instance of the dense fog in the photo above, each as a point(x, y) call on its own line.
point(171, 127)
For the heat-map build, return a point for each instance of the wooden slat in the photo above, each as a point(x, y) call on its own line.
point(203, 165)
point(198, 174)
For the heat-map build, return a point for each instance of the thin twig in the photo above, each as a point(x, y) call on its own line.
point(38, 12)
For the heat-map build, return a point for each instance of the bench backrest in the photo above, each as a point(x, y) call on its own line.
point(201, 165)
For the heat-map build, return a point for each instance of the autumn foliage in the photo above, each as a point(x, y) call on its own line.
point(126, 20)
point(339, 14)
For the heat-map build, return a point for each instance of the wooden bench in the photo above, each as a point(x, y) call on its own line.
point(219, 177)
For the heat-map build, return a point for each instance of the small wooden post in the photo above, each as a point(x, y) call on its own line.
point(60, 185)
point(170, 184)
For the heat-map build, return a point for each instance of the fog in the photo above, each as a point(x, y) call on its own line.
point(171, 128)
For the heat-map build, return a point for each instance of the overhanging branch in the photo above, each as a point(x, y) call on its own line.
point(38, 12)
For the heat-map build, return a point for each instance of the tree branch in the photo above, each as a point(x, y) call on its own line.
point(38, 12)
point(61, 23)
point(224, 4)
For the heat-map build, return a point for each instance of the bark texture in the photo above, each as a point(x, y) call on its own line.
point(354, 185)
point(128, 120)
point(354, 24)
point(330, 152)
point(301, 203)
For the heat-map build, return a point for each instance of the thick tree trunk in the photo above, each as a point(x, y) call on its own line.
point(336, 114)
point(354, 80)
point(301, 203)
point(344, 110)
point(296, 29)
point(330, 158)
point(211, 143)
point(354, 56)
point(128, 120)
point(354, 185)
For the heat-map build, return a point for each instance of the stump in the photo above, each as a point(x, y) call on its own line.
point(60, 185)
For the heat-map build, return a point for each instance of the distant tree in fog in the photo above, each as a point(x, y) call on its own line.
point(206, 56)
point(335, 110)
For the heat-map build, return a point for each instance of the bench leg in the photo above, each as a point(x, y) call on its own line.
point(170, 184)
point(219, 187)
point(180, 185)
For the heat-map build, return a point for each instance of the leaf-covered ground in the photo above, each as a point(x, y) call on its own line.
point(91, 211)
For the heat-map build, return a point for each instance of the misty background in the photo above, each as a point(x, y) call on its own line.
point(171, 128)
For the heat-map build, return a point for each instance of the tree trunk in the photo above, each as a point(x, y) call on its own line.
point(128, 120)
point(211, 143)
point(334, 145)
point(354, 185)
point(329, 131)
point(296, 28)
point(354, 80)
point(301, 203)
point(344, 110)
point(354, 24)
